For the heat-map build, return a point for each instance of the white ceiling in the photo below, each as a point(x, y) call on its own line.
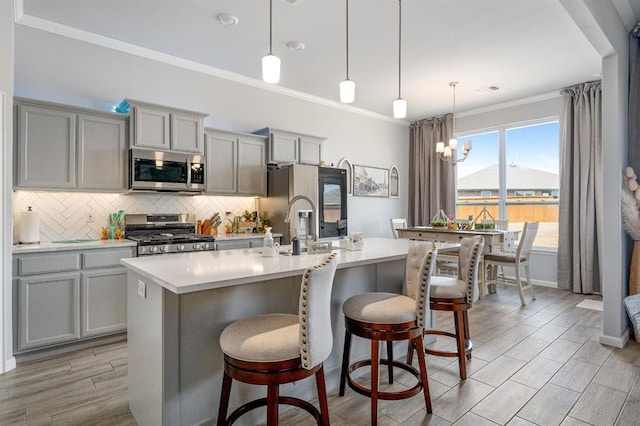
point(527, 47)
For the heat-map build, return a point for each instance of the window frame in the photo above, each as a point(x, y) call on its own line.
point(501, 130)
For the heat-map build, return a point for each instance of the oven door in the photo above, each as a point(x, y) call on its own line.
point(157, 170)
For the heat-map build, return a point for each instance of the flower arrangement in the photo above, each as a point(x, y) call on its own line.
point(631, 204)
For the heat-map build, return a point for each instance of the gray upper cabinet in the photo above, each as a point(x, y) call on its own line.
point(102, 149)
point(289, 147)
point(236, 163)
point(165, 128)
point(46, 147)
point(59, 147)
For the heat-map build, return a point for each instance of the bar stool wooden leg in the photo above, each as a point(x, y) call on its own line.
point(272, 405)
point(345, 362)
point(322, 396)
point(224, 398)
point(460, 342)
point(418, 344)
point(467, 334)
point(390, 358)
point(375, 364)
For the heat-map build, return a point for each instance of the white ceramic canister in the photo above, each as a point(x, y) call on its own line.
point(29, 227)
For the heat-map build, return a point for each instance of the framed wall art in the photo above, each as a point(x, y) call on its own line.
point(346, 164)
point(394, 186)
point(370, 181)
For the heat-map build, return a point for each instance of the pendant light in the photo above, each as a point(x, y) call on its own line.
point(270, 62)
point(400, 105)
point(347, 87)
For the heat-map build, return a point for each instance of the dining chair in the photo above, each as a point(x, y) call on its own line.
point(457, 295)
point(397, 223)
point(275, 349)
point(389, 317)
point(516, 260)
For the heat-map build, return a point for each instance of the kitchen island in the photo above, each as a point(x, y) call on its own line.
point(177, 306)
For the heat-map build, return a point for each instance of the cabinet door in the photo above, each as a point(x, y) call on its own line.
point(101, 152)
point(186, 133)
point(310, 150)
point(151, 128)
point(221, 158)
point(46, 147)
point(49, 309)
point(252, 166)
point(283, 147)
point(104, 301)
point(233, 244)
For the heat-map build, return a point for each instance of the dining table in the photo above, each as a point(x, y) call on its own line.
point(494, 240)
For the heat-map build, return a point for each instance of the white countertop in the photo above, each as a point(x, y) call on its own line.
point(195, 271)
point(51, 246)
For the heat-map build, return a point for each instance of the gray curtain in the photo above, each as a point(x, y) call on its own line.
point(580, 221)
point(431, 180)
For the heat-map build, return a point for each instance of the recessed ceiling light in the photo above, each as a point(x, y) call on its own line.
point(228, 19)
point(296, 46)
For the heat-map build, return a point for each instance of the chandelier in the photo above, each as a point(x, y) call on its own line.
point(448, 153)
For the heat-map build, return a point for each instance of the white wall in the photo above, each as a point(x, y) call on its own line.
point(6, 133)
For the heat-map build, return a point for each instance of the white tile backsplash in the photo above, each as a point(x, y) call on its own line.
point(64, 215)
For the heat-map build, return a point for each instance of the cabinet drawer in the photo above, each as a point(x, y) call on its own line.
point(104, 258)
point(51, 263)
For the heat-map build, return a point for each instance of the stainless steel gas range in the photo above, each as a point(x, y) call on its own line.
point(166, 233)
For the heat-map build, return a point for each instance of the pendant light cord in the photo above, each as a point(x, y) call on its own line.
point(347, 36)
point(454, 109)
point(399, 49)
point(270, 26)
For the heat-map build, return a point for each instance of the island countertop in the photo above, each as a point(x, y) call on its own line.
point(197, 271)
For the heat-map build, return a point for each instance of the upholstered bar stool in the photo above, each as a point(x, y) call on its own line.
point(275, 349)
point(458, 294)
point(389, 317)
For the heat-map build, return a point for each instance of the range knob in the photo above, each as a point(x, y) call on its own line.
point(205, 246)
point(164, 249)
point(180, 247)
point(196, 246)
point(153, 249)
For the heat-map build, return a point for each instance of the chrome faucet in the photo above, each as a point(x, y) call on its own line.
point(314, 212)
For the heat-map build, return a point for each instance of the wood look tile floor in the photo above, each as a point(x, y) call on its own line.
point(535, 365)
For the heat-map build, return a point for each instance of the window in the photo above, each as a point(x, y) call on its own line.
point(513, 171)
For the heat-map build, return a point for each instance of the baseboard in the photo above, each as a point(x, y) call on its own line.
point(10, 364)
point(541, 283)
point(617, 342)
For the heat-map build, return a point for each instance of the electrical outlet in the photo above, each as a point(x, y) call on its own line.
point(90, 217)
point(142, 289)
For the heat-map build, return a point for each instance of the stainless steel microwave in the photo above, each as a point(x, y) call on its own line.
point(166, 171)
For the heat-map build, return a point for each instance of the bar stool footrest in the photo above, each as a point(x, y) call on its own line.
point(282, 400)
point(362, 390)
point(468, 345)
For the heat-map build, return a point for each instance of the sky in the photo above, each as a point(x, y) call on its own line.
point(536, 147)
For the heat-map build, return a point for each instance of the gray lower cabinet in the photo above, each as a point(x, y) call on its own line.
point(241, 243)
point(236, 163)
point(61, 147)
point(104, 301)
point(64, 297)
point(49, 310)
